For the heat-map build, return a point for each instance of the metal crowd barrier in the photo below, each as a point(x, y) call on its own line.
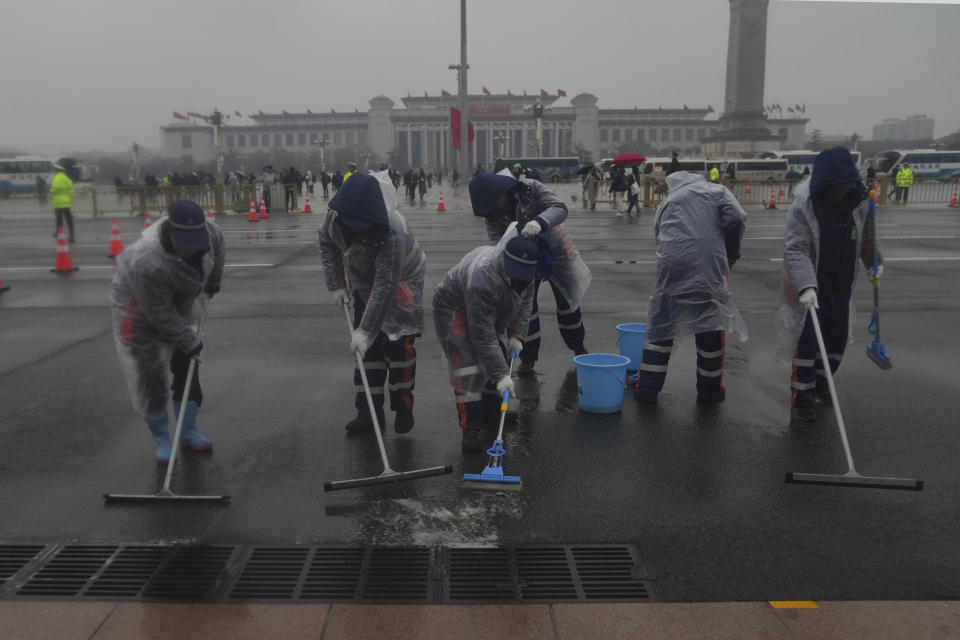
point(96, 201)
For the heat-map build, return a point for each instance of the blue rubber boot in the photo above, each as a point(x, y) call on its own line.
point(189, 436)
point(157, 422)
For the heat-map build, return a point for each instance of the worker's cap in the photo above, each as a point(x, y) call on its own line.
point(188, 225)
point(517, 165)
point(520, 258)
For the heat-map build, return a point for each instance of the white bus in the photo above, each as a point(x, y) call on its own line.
point(21, 173)
point(659, 166)
point(798, 161)
point(925, 163)
point(755, 170)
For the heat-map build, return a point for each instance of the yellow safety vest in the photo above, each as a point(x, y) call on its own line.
point(905, 177)
point(62, 189)
point(714, 175)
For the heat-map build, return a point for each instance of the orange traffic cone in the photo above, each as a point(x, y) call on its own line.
point(210, 216)
point(263, 209)
point(116, 242)
point(146, 220)
point(781, 191)
point(748, 187)
point(63, 264)
point(953, 200)
point(440, 206)
point(773, 199)
point(306, 207)
point(253, 212)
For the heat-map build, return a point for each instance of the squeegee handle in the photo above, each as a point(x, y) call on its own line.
point(828, 374)
point(366, 391)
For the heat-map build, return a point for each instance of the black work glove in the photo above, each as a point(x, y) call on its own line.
point(211, 289)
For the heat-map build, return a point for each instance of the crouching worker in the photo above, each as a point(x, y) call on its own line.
point(155, 299)
point(698, 229)
point(825, 234)
point(501, 200)
point(485, 298)
point(372, 261)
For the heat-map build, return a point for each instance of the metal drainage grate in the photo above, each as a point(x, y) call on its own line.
point(545, 574)
point(15, 557)
point(68, 572)
point(191, 573)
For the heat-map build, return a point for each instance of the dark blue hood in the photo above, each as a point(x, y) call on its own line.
point(360, 202)
point(485, 188)
point(834, 167)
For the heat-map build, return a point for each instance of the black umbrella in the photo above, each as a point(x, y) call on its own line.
point(585, 168)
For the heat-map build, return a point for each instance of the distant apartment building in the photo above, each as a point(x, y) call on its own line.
point(911, 128)
point(418, 135)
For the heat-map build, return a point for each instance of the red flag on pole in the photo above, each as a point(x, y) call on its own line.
point(180, 116)
point(239, 115)
point(262, 113)
point(544, 93)
point(709, 109)
point(561, 93)
point(332, 110)
point(686, 108)
point(659, 107)
point(509, 95)
point(486, 91)
point(309, 112)
point(524, 94)
point(444, 93)
point(790, 109)
point(635, 111)
point(355, 110)
point(798, 107)
point(194, 114)
point(285, 112)
point(425, 95)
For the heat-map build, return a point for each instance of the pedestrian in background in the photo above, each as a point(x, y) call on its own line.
point(61, 187)
point(155, 300)
point(698, 229)
point(337, 180)
point(674, 163)
point(825, 234)
point(904, 182)
point(325, 183)
point(618, 187)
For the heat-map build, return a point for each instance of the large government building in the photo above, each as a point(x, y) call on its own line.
point(418, 134)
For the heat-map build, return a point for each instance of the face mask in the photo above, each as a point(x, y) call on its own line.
point(519, 286)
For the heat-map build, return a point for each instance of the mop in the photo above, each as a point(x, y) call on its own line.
point(851, 478)
point(876, 350)
point(388, 474)
point(165, 494)
point(492, 478)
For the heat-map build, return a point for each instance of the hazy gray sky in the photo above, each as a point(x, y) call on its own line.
point(102, 74)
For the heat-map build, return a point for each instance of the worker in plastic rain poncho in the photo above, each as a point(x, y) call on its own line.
point(156, 306)
point(372, 261)
point(698, 229)
point(824, 236)
point(500, 200)
point(481, 310)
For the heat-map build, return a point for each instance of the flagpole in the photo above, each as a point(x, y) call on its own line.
point(464, 119)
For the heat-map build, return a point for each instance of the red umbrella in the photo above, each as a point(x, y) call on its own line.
point(629, 158)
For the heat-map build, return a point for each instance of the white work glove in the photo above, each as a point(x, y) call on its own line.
point(341, 297)
point(879, 273)
point(532, 229)
point(504, 383)
point(808, 298)
point(515, 345)
point(360, 341)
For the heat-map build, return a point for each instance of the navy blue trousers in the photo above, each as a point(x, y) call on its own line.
point(656, 357)
point(568, 320)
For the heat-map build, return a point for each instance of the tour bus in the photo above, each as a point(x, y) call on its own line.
point(925, 163)
point(695, 165)
point(548, 169)
point(21, 173)
point(802, 159)
point(755, 170)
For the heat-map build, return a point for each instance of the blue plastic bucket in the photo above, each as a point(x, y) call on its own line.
point(600, 378)
point(630, 337)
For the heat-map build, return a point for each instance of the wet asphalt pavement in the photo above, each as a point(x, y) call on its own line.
point(700, 491)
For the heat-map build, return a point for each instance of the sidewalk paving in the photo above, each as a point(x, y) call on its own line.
point(674, 621)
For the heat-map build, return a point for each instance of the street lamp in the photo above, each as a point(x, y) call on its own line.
point(366, 159)
point(217, 119)
point(320, 142)
point(537, 110)
point(501, 138)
